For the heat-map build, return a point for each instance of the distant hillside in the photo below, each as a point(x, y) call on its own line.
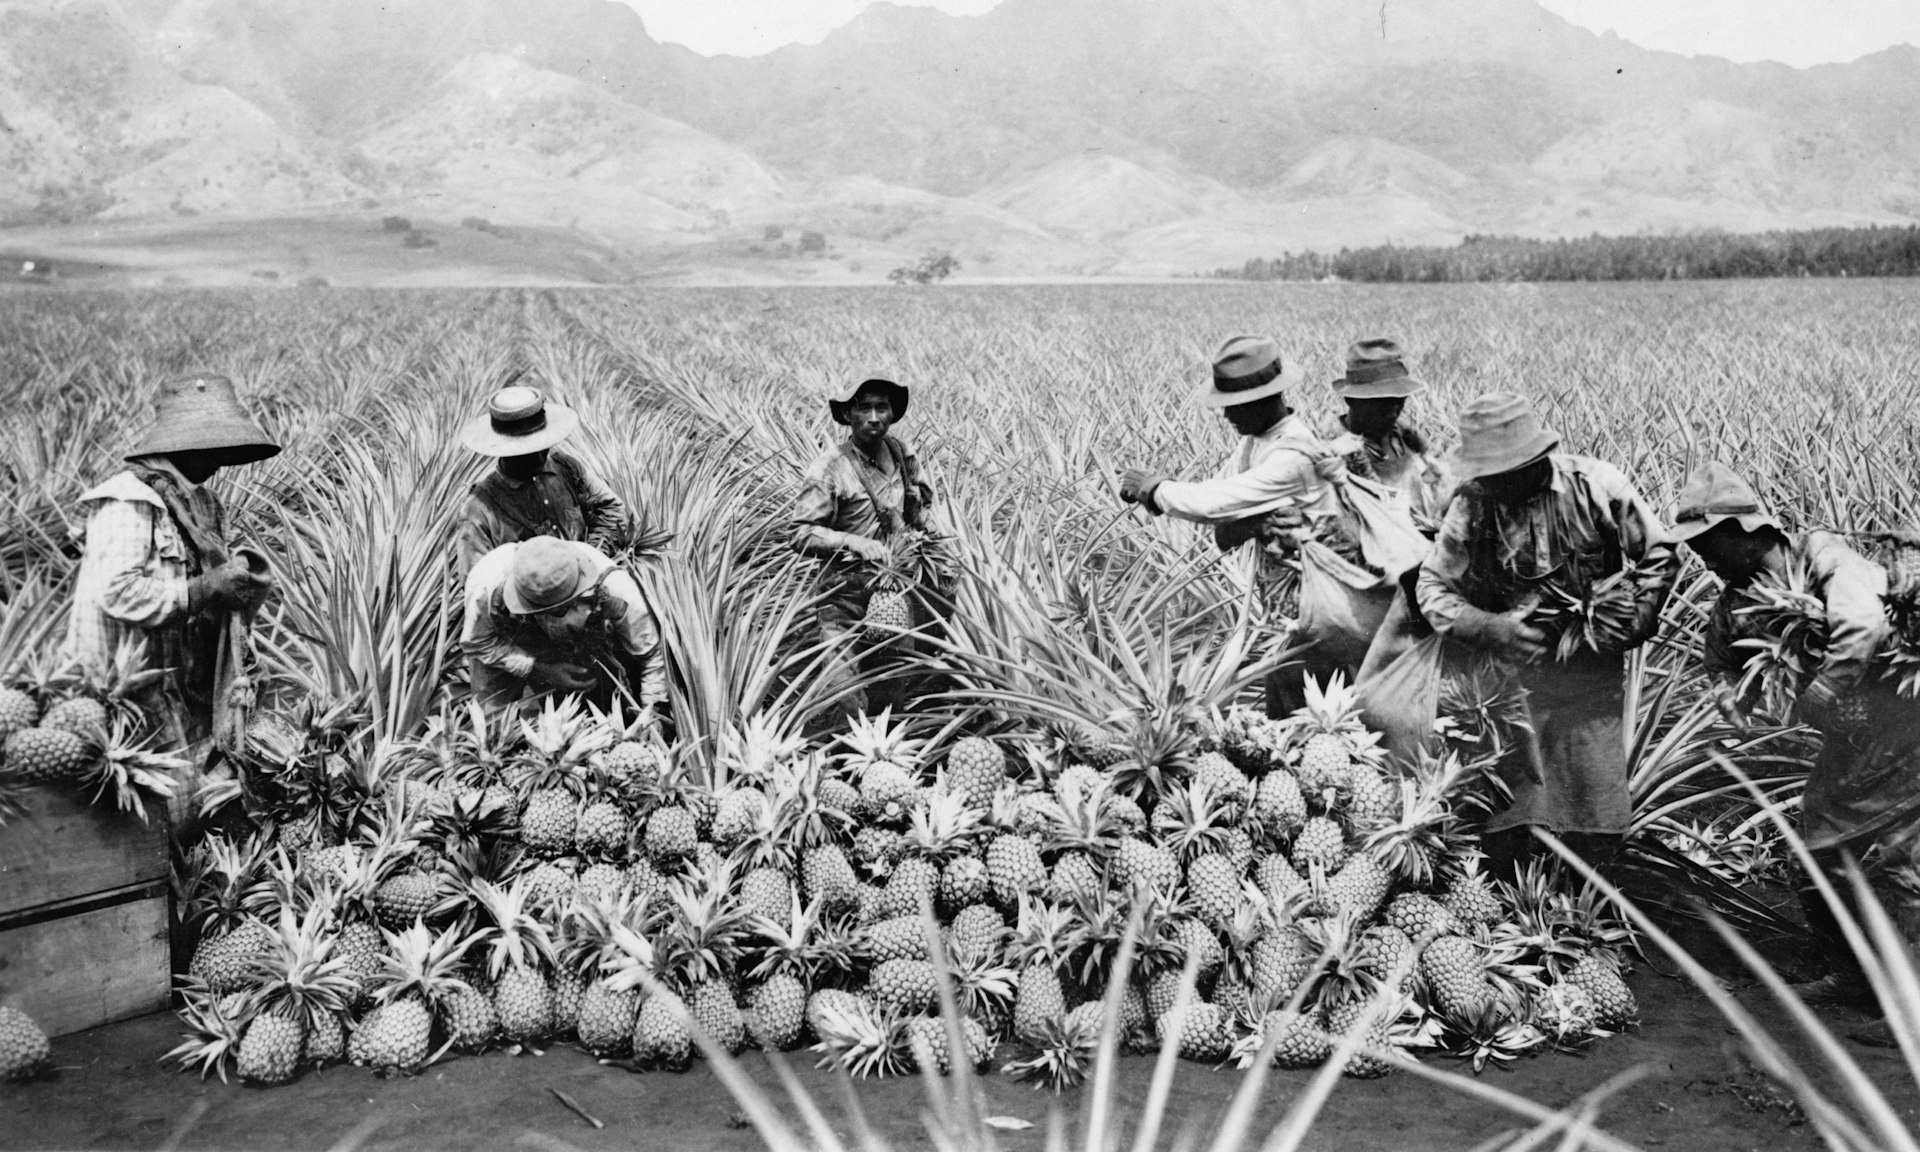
point(1047, 137)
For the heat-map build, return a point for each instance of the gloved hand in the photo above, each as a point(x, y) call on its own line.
point(1818, 706)
point(1727, 700)
point(230, 587)
point(1333, 465)
point(563, 677)
point(1283, 524)
point(867, 548)
point(1504, 634)
point(1136, 486)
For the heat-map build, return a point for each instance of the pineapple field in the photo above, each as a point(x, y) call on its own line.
point(1075, 854)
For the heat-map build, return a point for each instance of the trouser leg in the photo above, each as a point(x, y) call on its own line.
point(840, 627)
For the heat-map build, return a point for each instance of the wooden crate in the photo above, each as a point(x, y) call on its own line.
point(84, 913)
point(91, 962)
point(65, 848)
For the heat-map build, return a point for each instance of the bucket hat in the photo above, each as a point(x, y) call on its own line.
point(519, 421)
point(1249, 368)
point(1713, 493)
point(1377, 370)
point(547, 573)
point(896, 395)
point(1498, 433)
point(203, 413)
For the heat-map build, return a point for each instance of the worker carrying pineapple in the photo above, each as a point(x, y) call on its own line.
point(1278, 492)
point(1392, 449)
point(160, 571)
point(547, 616)
point(535, 489)
point(1553, 561)
point(862, 511)
point(1864, 789)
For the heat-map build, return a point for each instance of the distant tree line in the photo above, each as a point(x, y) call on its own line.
point(1876, 251)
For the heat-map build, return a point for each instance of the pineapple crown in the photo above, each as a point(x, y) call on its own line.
point(872, 740)
point(751, 750)
point(513, 934)
point(944, 826)
point(214, 1025)
point(1193, 819)
point(420, 962)
point(559, 742)
point(299, 971)
point(704, 937)
point(1082, 819)
point(1043, 933)
point(801, 819)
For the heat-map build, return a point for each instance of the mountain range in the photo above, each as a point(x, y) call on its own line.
point(1044, 138)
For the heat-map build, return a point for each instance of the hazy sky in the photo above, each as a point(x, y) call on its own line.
point(1798, 32)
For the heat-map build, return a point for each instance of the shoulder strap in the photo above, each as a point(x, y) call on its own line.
point(889, 519)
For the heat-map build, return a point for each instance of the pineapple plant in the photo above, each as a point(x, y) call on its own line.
point(903, 987)
point(1042, 939)
point(48, 755)
point(519, 953)
point(1213, 887)
point(1014, 869)
point(976, 768)
point(552, 772)
point(660, 1036)
point(1298, 1039)
point(602, 829)
point(1454, 969)
point(303, 989)
point(886, 762)
point(910, 559)
point(214, 1028)
point(858, 1035)
point(23, 1046)
point(1064, 1051)
point(1328, 737)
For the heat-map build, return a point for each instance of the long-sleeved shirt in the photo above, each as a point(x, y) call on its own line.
point(1267, 473)
point(620, 624)
point(833, 503)
point(564, 499)
point(1851, 587)
point(1589, 517)
point(1394, 460)
point(133, 573)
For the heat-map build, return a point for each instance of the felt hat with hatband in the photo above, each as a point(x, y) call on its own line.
point(1377, 370)
point(1250, 368)
point(203, 414)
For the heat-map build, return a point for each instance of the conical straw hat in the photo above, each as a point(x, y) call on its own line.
point(202, 413)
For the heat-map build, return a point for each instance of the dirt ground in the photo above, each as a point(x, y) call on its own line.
point(110, 1091)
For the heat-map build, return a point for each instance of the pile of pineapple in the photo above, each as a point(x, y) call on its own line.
point(571, 879)
point(70, 726)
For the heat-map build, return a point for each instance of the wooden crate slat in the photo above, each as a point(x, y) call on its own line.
point(82, 971)
point(63, 847)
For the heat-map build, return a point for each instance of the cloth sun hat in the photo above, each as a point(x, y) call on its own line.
point(519, 422)
point(1377, 370)
point(1713, 493)
point(1249, 368)
point(547, 573)
point(203, 413)
point(896, 395)
point(1498, 433)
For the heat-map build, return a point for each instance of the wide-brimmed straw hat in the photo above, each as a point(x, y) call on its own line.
point(200, 414)
point(1249, 368)
point(547, 573)
point(1716, 493)
point(1498, 433)
point(1377, 370)
point(896, 395)
point(519, 421)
